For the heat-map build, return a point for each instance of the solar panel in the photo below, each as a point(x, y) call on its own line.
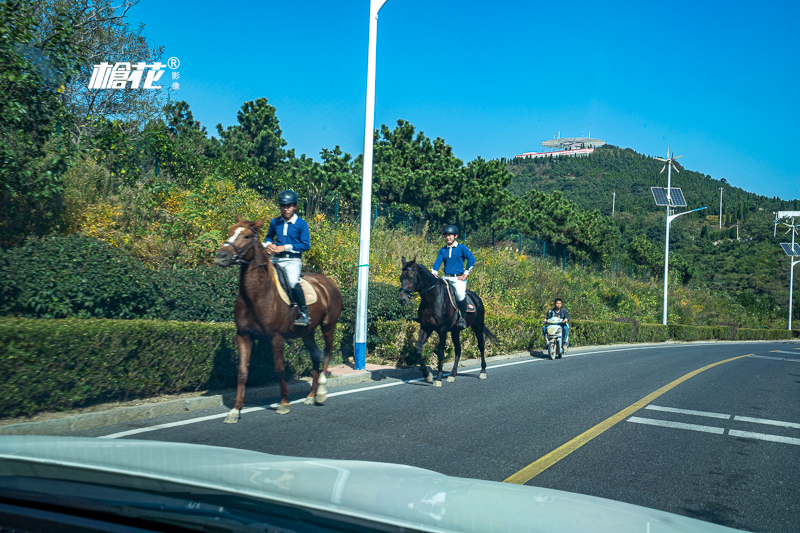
point(676, 196)
point(787, 247)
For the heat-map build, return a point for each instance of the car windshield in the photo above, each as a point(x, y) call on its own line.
point(467, 265)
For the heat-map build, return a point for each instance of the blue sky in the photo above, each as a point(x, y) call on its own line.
point(718, 82)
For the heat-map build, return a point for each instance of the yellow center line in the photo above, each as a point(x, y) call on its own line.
point(542, 464)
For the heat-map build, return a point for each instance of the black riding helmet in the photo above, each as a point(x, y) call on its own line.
point(450, 228)
point(287, 197)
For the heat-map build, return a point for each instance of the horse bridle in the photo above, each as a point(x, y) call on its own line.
point(411, 293)
point(238, 256)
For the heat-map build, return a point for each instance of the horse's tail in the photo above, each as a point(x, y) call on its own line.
point(488, 334)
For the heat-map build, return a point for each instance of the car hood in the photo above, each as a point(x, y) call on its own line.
point(383, 492)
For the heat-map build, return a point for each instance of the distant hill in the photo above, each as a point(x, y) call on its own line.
point(753, 268)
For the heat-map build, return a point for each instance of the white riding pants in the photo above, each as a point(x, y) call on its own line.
point(292, 266)
point(460, 286)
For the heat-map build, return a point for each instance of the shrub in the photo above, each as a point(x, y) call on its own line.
point(63, 364)
point(74, 276)
point(652, 333)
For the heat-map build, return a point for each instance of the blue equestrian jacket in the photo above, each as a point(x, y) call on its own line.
point(293, 234)
point(453, 258)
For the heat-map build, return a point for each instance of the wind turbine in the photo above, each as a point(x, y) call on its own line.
point(669, 164)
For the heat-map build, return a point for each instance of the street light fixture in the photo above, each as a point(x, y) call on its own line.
point(362, 287)
point(792, 250)
point(669, 197)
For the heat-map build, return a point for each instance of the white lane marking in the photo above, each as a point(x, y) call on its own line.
point(784, 351)
point(775, 358)
point(677, 425)
point(688, 412)
point(763, 436)
point(362, 389)
point(175, 424)
point(767, 422)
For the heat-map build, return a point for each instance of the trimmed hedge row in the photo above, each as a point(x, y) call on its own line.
point(61, 364)
point(69, 363)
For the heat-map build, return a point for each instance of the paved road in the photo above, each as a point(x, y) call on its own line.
point(721, 445)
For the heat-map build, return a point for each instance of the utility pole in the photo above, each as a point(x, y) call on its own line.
point(613, 203)
point(720, 208)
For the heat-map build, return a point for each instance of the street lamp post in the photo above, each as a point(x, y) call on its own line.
point(670, 218)
point(362, 287)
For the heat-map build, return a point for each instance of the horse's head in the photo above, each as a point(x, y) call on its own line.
point(409, 281)
point(241, 243)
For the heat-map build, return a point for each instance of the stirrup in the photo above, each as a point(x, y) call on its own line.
point(302, 319)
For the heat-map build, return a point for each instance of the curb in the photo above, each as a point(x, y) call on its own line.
point(87, 421)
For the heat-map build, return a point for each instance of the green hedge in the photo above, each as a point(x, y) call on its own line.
point(64, 364)
point(61, 364)
point(652, 333)
point(745, 334)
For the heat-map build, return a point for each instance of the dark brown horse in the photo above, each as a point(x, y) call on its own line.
point(260, 314)
point(437, 313)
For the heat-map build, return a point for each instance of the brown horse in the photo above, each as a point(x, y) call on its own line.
point(260, 314)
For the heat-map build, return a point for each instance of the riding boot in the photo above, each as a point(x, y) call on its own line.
point(462, 310)
point(299, 297)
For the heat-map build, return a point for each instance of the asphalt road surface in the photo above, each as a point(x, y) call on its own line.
point(637, 424)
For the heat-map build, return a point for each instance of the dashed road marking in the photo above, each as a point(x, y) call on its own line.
point(767, 422)
point(676, 425)
point(763, 436)
point(776, 358)
point(687, 412)
point(783, 351)
point(546, 461)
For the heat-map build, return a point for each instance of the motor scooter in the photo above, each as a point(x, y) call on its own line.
point(553, 337)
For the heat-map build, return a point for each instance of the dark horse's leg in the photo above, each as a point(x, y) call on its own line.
point(440, 356)
point(423, 336)
point(280, 373)
point(316, 356)
point(456, 336)
point(245, 345)
point(478, 326)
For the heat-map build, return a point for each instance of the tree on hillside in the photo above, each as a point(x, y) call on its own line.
point(33, 72)
point(416, 175)
point(584, 234)
point(256, 140)
point(100, 29)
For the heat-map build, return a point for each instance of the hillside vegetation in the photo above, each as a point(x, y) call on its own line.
point(145, 178)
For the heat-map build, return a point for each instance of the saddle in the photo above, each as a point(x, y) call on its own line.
point(471, 304)
point(282, 283)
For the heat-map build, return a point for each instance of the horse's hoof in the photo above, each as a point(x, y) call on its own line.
point(428, 378)
point(437, 383)
point(283, 410)
point(233, 417)
point(309, 400)
point(320, 398)
point(450, 379)
point(482, 375)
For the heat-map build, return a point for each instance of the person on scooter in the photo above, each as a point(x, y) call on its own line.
point(453, 256)
point(560, 312)
point(287, 238)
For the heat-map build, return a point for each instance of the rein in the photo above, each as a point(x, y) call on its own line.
point(411, 293)
point(238, 256)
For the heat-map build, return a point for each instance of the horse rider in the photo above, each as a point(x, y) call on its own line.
point(453, 256)
point(560, 312)
point(287, 238)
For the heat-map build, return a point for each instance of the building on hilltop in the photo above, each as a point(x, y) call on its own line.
point(571, 146)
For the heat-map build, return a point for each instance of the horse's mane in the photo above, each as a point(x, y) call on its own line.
point(425, 272)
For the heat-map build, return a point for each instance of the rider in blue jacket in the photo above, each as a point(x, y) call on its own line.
point(287, 238)
point(453, 256)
